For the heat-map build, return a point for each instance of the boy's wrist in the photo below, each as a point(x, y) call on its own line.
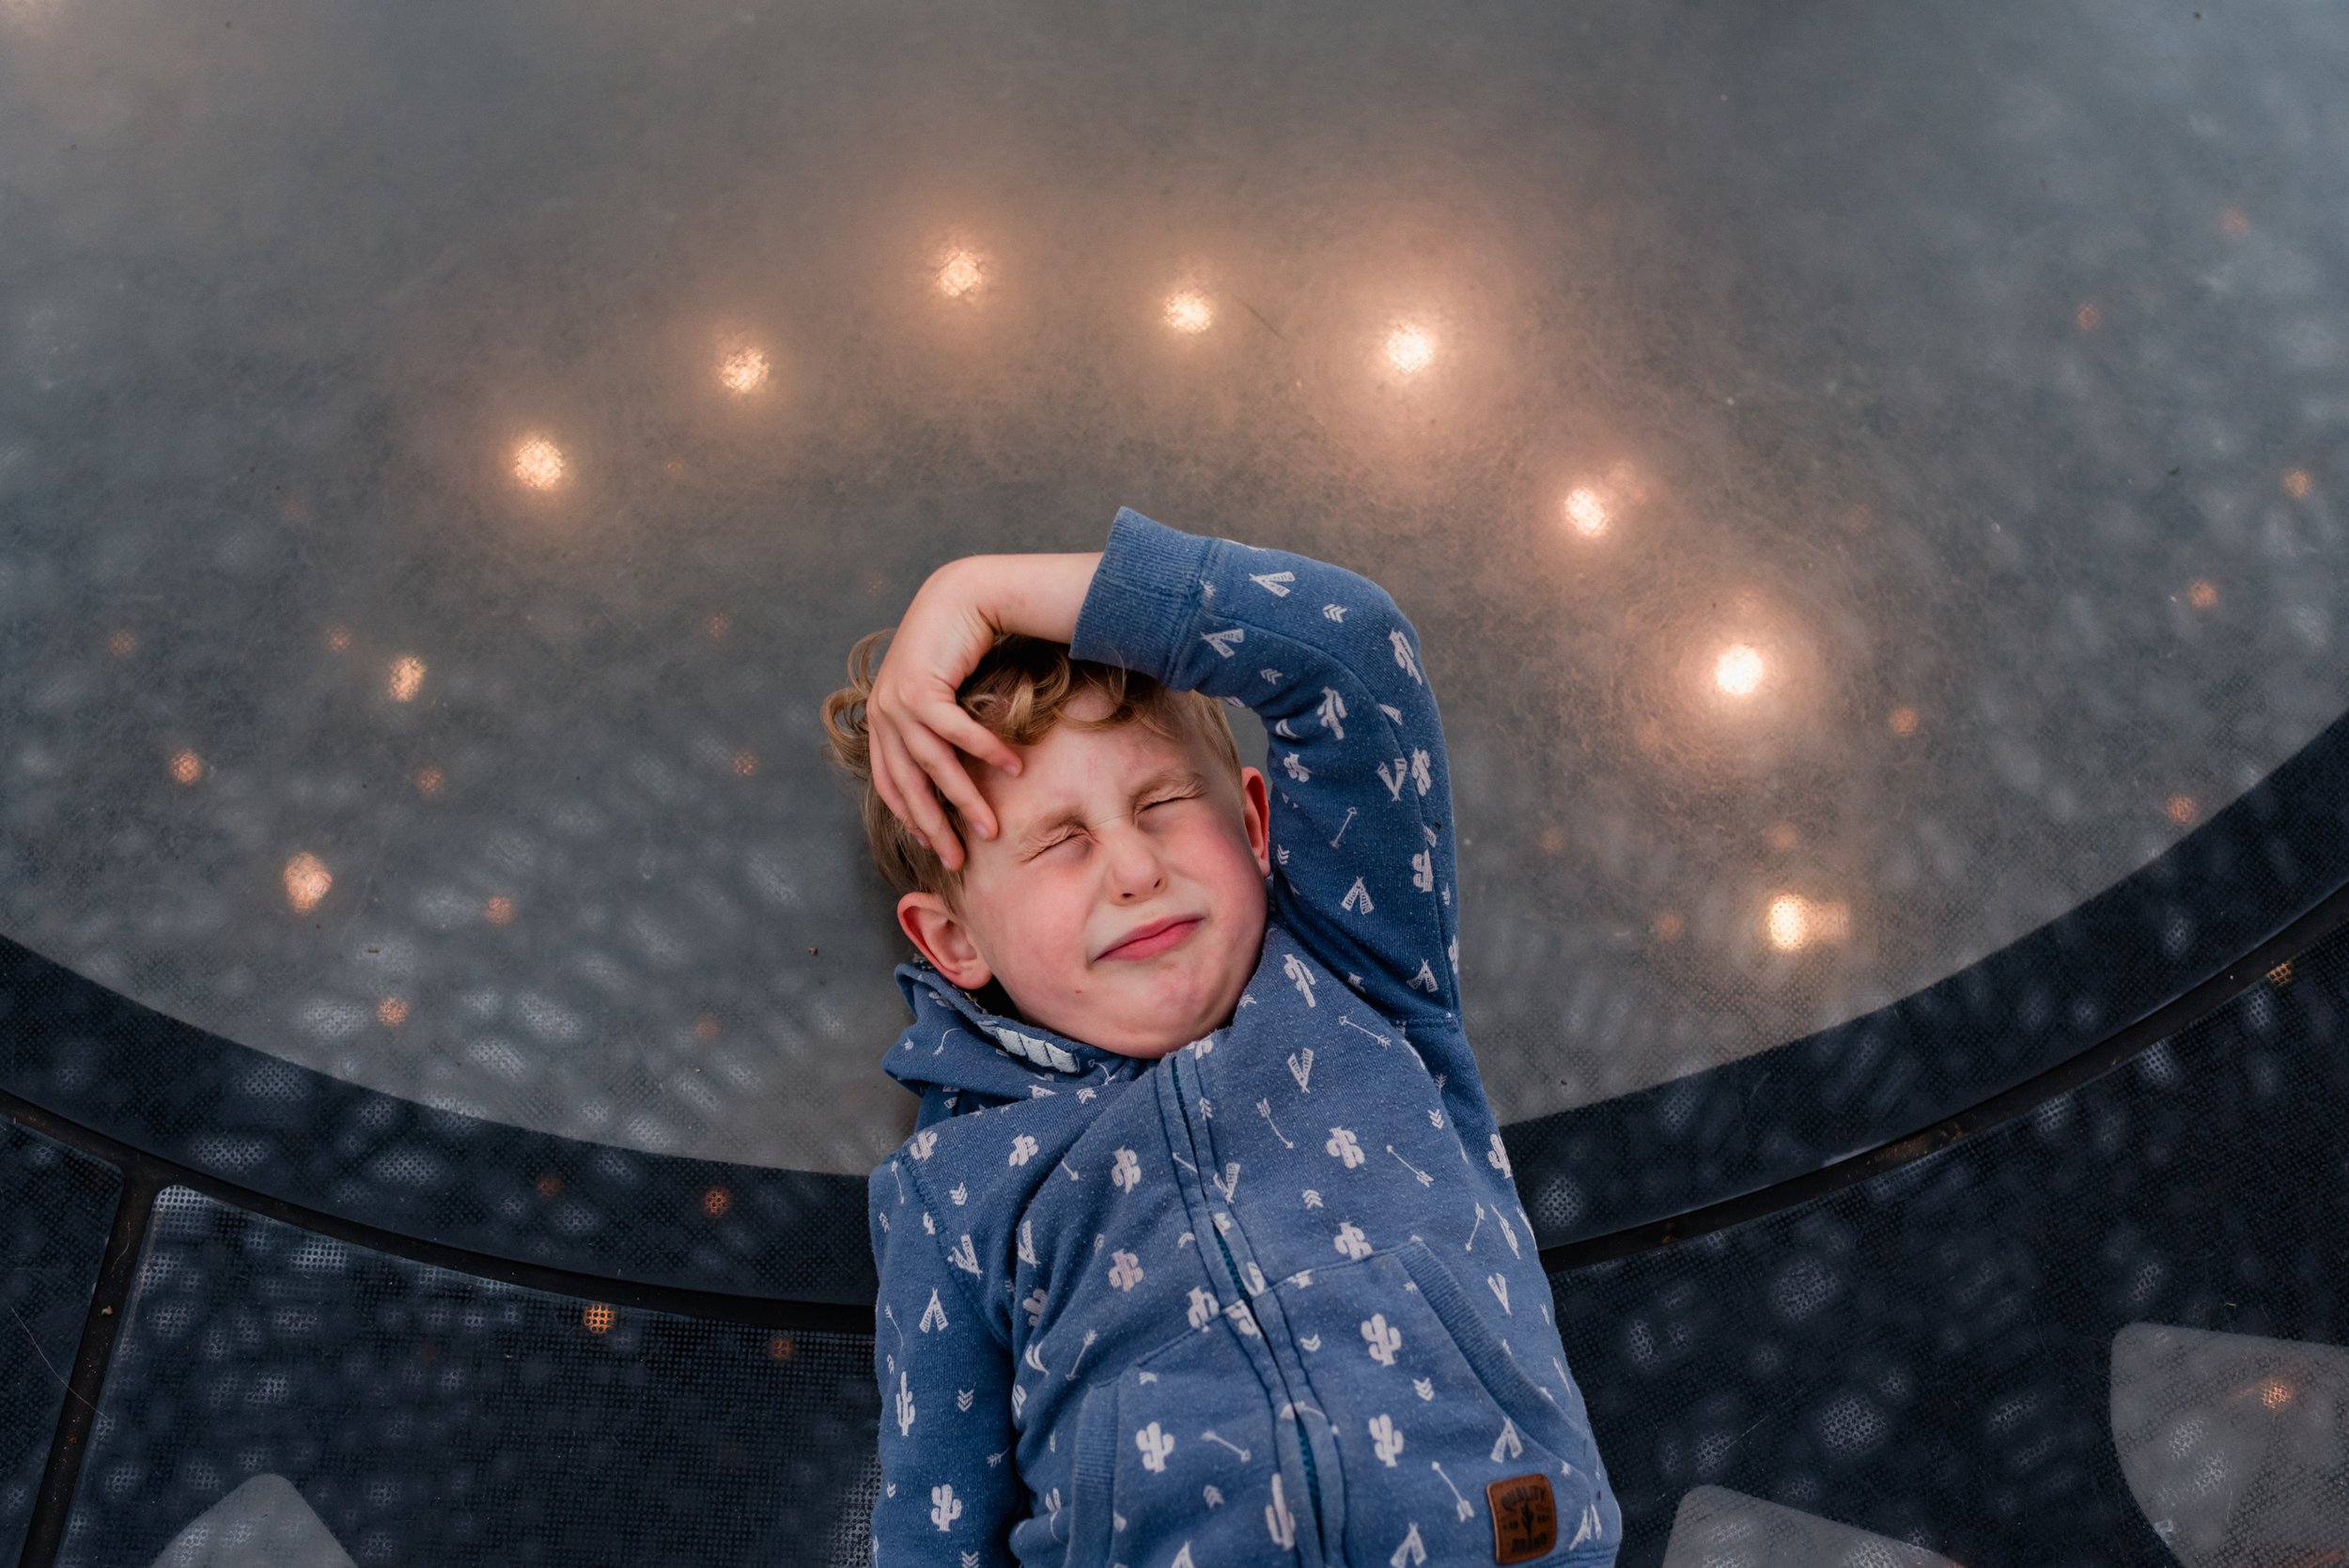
point(1035, 596)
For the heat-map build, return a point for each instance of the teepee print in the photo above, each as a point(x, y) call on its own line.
point(1094, 1236)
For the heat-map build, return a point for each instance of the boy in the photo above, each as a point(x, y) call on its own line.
point(1204, 1250)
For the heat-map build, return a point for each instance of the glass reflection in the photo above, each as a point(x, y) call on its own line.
point(742, 370)
point(406, 678)
point(307, 881)
point(1410, 349)
point(960, 274)
point(539, 463)
point(1188, 311)
point(1738, 670)
point(186, 767)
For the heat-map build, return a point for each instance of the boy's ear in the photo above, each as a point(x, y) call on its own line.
point(943, 939)
point(1256, 813)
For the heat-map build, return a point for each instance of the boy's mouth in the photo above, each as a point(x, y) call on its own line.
point(1154, 939)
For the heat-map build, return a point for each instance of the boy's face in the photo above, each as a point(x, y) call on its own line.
point(1049, 897)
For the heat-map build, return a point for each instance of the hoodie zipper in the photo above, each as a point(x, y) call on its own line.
point(1305, 1439)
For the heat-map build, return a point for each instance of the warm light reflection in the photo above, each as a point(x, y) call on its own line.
point(745, 764)
point(1782, 837)
point(2297, 483)
point(1553, 839)
point(406, 678)
point(2202, 594)
point(716, 1202)
point(1795, 923)
point(539, 463)
point(742, 369)
point(1410, 349)
point(306, 881)
point(186, 767)
point(1738, 670)
point(122, 644)
point(781, 1348)
point(549, 1184)
point(2275, 1392)
point(498, 912)
point(2235, 223)
point(718, 625)
point(1188, 311)
point(1902, 721)
point(705, 1027)
point(2088, 317)
point(599, 1318)
point(392, 1012)
point(338, 639)
point(1668, 925)
point(428, 781)
point(2183, 810)
point(1587, 512)
point(959, 275)
point(2280, 974)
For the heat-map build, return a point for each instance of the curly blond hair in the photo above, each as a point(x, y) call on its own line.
point(1022, 688)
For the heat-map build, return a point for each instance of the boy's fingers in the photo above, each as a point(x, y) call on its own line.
point(980, 741)
point(954, 783)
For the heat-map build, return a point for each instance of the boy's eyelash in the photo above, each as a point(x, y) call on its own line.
point(1065, 837)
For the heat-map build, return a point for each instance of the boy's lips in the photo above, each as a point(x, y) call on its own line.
point(1155, 938)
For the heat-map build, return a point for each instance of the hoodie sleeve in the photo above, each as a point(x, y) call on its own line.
point(1361, 809)
point(950, 1488)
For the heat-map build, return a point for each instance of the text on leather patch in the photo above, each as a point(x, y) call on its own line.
point(1525, 1518)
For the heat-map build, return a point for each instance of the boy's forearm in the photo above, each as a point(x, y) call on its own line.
point(1035, 595)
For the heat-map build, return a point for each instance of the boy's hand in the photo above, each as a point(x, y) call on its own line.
point(913, 722)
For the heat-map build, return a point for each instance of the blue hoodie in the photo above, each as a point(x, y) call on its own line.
point(1270, 1299)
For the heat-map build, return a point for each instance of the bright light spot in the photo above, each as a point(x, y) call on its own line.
point(1904, 720)
point(959, 275)
point(186, 767)
point(1188, 312)
point(406, 678)
point(499, 911)
point(392, 1012)
point(1738, 670)
point(539, 463)
point(1410, 349)
point(2296, 483)
point(428, 781)
point(716, 1202)
point(599, 1318)
point(306, 881)
point(2202, 594)
point(1795, 923)
point(745, 764)
point(2183, 810)
point(2280, 974)
point(742, 370)
point(2088, 317)
point(1587, 512)
point(2276, 1394)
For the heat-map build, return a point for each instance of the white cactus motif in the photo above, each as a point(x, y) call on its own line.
point(1154, 1446)
point(1022, 1149)
point(1384, 1341)
point(1498, 1157)
point(1351, 1241)
point(1125, 1270)
point(1035, 1305)
point(946, 1508)
point(924, 1144)
point(1278, 1521)
point(1126, 1174)
point(1386, 1438)
point(905, 1406)
point(1343, 1148)
point(1202, 1308)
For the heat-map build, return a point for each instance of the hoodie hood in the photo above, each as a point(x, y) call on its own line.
point(955, 1045)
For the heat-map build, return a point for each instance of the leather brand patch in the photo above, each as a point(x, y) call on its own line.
point(1525, 1518)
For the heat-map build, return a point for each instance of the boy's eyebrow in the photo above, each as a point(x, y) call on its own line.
point(1064, 814)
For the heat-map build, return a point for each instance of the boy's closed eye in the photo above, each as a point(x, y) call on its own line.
point(1071, 836)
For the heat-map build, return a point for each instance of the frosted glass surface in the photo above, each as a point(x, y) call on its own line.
point(1866, 479)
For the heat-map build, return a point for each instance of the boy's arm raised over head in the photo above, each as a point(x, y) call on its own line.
point(1361, 819)
point(949, 1486)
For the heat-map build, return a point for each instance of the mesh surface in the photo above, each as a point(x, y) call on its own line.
point(422, 569)
point(2110, 1332)
point(56, 1208)
point(430, 1416)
